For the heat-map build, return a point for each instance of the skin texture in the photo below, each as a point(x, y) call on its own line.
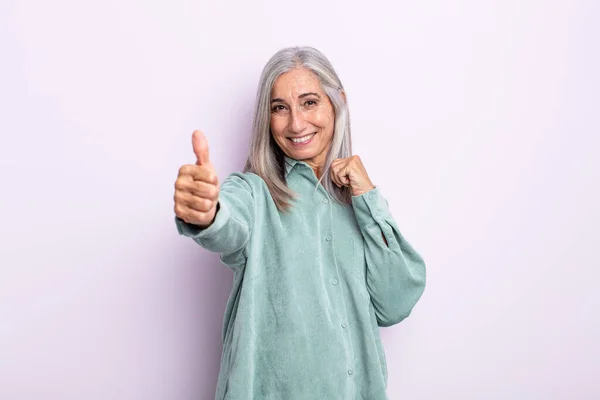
point(299, 107)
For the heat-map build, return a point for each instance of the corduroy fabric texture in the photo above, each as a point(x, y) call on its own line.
point(311, 288)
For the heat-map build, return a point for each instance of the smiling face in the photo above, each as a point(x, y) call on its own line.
point(302, 117)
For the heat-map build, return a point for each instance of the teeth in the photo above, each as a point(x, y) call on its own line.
point(302, 139)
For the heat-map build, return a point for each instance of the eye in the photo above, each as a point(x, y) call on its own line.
point(278, 108)
point(310, 103)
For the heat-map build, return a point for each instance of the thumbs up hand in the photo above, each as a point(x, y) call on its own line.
point(197, 187)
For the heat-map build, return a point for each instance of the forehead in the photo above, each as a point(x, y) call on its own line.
point(295, 82)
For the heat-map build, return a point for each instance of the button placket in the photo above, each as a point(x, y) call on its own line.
point(335, 280)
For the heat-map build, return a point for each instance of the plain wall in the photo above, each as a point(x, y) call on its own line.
point(478, 120)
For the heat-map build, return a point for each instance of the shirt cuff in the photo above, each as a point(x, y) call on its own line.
point(194, 231)
point(370, 207)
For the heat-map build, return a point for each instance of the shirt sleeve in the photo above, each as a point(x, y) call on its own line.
point(395, 272)
point(230, 231)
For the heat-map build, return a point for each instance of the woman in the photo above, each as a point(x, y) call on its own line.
point(318, 261)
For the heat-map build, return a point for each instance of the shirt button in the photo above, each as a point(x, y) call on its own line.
point(344, 325)
point(328, 238)
point(350, 371)
point(325, 201)
point(378, 213)
point(334, 281)
point(372, 196)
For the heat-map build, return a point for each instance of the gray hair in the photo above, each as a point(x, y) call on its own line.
point(265, 157)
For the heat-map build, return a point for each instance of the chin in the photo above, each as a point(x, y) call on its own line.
point(302, 155)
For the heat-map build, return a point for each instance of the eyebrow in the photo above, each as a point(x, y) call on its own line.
point(303, 95)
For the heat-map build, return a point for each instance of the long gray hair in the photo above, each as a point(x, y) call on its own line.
point(265, 158)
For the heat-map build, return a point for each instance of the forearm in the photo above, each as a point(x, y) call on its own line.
point(231, 228)
point(226, 234)
point(395, 277)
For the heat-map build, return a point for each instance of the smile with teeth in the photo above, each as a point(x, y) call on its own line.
point(303, 139)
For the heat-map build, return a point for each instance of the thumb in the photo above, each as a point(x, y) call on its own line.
point(200, 145)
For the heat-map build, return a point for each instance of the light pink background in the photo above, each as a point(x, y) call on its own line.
point(479, 120)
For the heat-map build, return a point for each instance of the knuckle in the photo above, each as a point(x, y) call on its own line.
point(183, 170)
point(198, 203)
point(180, 199)
point(198, 216)
point(178, 210)
point(192, 216)
point(193, 188)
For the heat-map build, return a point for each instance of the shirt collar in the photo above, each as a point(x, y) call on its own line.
point(289, 164)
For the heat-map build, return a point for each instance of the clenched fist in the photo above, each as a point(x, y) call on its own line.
point(351, 172)
point(197, 187)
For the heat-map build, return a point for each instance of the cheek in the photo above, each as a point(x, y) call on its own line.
point(277, 126)
point(324, 120)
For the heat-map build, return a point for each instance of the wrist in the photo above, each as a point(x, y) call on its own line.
point(361, 192)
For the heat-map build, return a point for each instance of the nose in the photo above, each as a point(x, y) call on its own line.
point(298, 121)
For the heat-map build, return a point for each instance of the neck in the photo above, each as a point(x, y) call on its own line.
point(317, 171)
point(316, 166)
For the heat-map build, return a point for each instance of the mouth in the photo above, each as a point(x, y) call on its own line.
point(303, 140)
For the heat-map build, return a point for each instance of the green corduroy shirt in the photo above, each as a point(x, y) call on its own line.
point(311, 287)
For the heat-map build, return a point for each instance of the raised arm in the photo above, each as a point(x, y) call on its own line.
point(219, 218)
